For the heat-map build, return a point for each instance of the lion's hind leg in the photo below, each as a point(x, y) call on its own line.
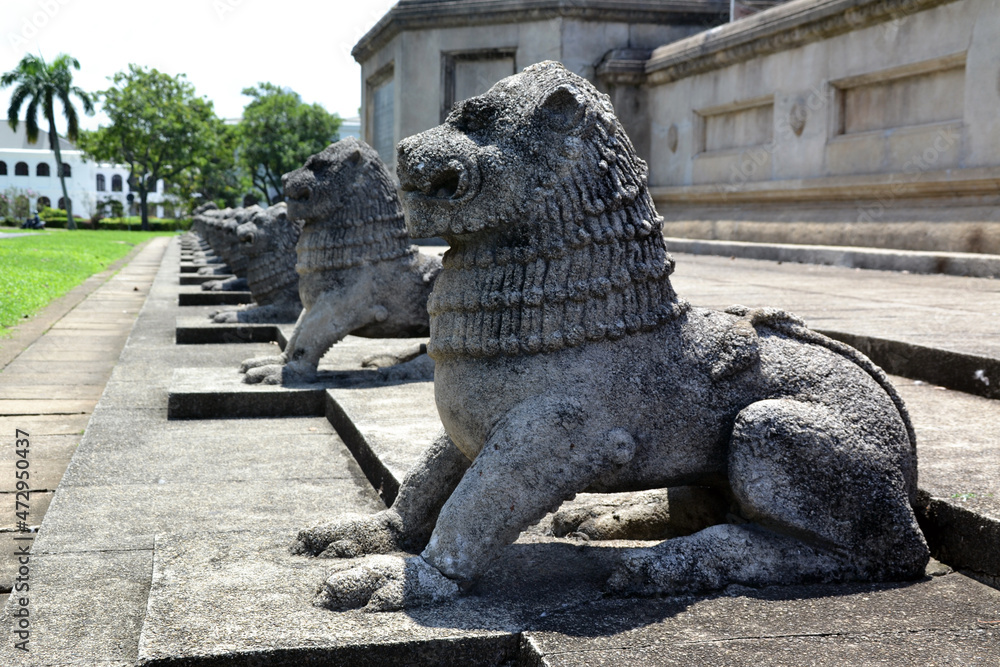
point(825, 502)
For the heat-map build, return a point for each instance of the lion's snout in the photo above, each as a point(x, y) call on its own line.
point(436, 164)
point(247, 233)
point(294, 188)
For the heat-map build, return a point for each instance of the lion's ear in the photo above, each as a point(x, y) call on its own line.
point(562, 108)
point(354, 157)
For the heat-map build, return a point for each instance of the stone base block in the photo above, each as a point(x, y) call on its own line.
point(188, 296)
point(202, 331)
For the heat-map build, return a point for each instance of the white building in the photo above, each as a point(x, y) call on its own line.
point(30, 170)
point(350, 127)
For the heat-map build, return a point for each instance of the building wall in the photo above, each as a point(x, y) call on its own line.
point(420, 65)
point(894, 125)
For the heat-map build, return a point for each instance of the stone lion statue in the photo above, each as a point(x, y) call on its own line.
point(220, 232)
point(268, 240)
point(565, 362)
point(358, 273)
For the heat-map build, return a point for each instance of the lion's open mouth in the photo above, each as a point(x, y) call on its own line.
point(451, 182)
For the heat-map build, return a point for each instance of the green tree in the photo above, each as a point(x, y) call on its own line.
point(159, 128)
point(217, 175)
point(278, 133)
point(40, 84)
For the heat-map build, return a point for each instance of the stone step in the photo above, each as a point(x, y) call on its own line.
point(195, 296)
point(195, 279)
point(202, 331)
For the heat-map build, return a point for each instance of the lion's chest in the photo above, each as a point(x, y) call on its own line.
point(673, 416)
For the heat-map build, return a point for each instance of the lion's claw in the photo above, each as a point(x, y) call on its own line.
point(386, 583)
point(352, 536)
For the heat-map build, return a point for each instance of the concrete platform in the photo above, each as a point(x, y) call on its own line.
point(165, 543)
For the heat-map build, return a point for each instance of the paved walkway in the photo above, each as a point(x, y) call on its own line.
point(56, 367)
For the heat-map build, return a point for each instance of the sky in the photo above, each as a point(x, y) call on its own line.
point(223, 46)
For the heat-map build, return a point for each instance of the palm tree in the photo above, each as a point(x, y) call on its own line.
point(41, 84)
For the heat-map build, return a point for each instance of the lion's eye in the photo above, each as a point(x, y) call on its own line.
point(474, 116)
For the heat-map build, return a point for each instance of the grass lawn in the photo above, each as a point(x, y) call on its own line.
point(36, 269)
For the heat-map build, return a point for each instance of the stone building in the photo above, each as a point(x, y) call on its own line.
point(424, 55)
point(843, 122)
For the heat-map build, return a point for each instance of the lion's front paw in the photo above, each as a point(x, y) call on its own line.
point(352, 536)
point(212, 285)
point(385, 359)
point(226, 317)
point(270, 374)
point(275, 360)
point(386, 583)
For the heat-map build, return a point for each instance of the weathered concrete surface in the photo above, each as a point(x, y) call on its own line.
point(959, 449)
point(941, 620)
point(257, 605)
point(86, 609)
point(386, 428)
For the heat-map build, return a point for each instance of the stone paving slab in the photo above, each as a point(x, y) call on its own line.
point(121, 516)
point(257, 605)
point(44, 446)
point(220, 393)
point(45, 425)
point(86, 609)
point(942, 620)
point(548, 591)
point(30, 390)
point(190, 452)
point(52, 407)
